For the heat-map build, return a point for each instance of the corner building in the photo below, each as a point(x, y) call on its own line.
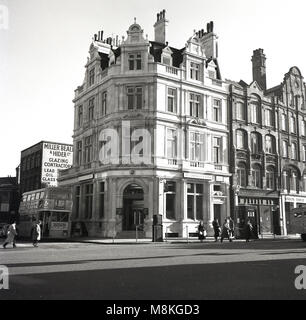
point(150, 135)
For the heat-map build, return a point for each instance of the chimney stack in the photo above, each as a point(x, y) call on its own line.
point(160, 27)
point(259, 68)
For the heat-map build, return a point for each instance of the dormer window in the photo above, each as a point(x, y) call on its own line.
point(167, 60)
point(91, 77)
point(134, 61)
point(194, 71)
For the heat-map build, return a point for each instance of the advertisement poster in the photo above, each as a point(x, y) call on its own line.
point(55, 157)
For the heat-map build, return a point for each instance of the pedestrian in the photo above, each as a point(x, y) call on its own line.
point(226, 231)
point(232, 228)
point(248, 231)
point(216, 227)
point(201, 231)
point(11, 235)
point(36, 233)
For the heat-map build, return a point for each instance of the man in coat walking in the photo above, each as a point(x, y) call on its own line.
point(11, 234)
point(36, 233)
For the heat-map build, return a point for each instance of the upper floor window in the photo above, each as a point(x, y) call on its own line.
point(293, 151)
point(241, 138)
point(79, 153)
point(284, 125)
point(195, 105)
point(256, 176)
point(134, 61)
point(80, 116)
point(292, 123)
point(171, 144)
point(217, 110)
point(172, 100)
point(270, 178)
point(194, 71)
point(303, 128)
point(254, 113)
point(88, 149)
point(242, 175)
point(91, 109)
point(240, 111)
point(268, 118)
point(304, 154)
point(217, 142)
point(255, 142)
point(285, 149)
point(166, 59)
point(91, 77)
point(135, 100)
point(196, 146)
point(104, 103)
point(270, 144)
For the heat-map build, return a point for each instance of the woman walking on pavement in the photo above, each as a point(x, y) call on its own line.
point(226, 231)
point(36, 233)
point(216, 227)
point(11, 235)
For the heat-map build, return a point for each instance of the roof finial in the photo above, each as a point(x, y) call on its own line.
point(135, 20)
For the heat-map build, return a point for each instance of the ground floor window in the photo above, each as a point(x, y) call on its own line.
point(170, 192)
point(102, 200)
point(88, 201)
point(77, 202)
point(195, 201)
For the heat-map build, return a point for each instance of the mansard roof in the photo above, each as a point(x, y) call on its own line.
point(157, 48)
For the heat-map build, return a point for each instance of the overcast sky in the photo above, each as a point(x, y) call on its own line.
point(44, 50)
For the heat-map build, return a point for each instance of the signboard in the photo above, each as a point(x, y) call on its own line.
point(295, 199)
point(59, 226)
point(55, 157)
point(5, 207)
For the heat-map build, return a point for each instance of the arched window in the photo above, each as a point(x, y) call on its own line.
point(270, 178)
point(285, 180)
point(241, 175)
point(293, 181)
point(304, 182)
point(256, 176)
point(255, 143)
point(270, 144)
point(241, 138)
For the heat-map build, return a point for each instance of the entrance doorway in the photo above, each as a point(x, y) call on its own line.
point(217, 212)
point(133, 205)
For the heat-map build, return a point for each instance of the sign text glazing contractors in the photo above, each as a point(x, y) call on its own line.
point(55, 157)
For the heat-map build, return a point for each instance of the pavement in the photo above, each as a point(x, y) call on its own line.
point(263, 269)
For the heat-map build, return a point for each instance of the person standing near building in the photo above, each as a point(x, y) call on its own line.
point(201, 231)
point(248, 231)
point(226, 231)
point(36, 233)
point(216, 227)
point(232, 228)
point(11, 235)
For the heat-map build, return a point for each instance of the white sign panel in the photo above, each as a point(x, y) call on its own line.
point(59, 226)
point(55, 157)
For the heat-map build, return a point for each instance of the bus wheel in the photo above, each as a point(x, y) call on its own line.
point(303, 236)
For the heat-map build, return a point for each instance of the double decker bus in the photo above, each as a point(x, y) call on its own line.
point(52, 206)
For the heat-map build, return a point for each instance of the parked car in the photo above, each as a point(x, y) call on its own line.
point(3, 230)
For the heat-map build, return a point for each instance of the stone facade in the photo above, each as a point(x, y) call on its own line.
point(150, 136)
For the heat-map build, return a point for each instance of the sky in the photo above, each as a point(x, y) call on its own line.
point(44, 48)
